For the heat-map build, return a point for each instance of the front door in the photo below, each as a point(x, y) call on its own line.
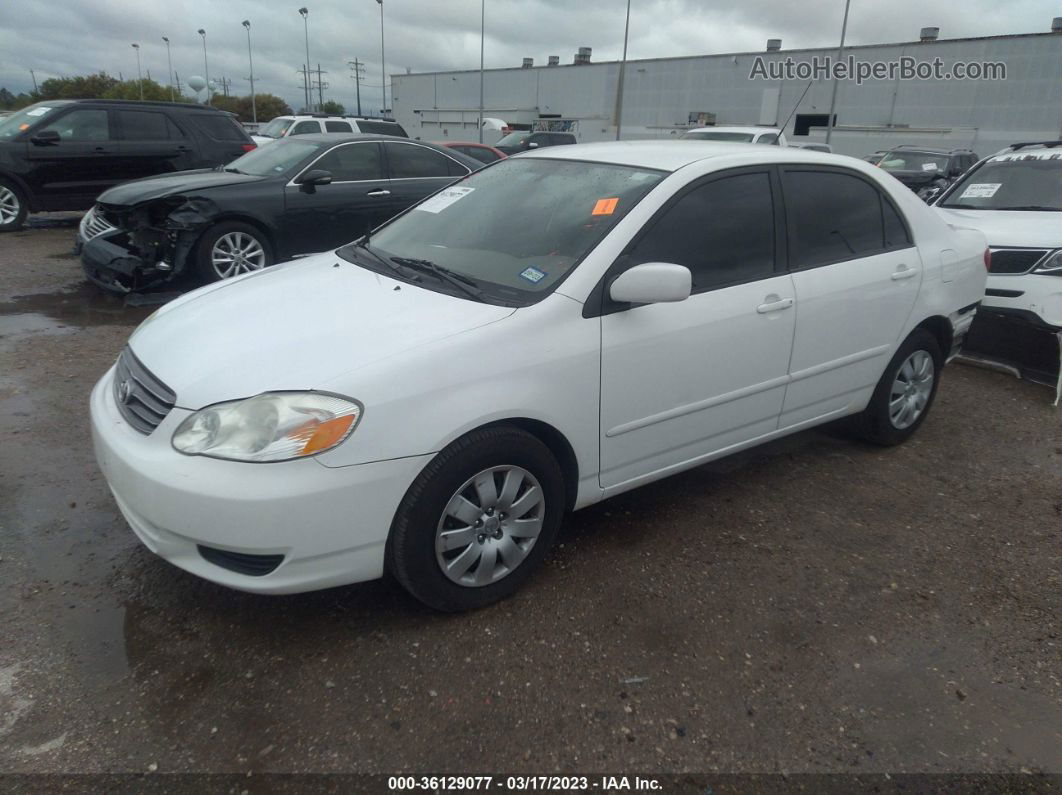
point(681, 381)
point(328, 216)
point(71, 173)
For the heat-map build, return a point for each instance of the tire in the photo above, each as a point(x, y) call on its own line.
point(887, 420)
point(13, 207)
point(468, 468)
point(236, 239)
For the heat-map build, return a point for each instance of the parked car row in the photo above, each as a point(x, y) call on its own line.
point(315, 123)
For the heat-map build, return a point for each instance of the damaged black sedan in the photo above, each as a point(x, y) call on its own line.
point(296, 196)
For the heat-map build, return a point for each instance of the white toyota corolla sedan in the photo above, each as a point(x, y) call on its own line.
point(550, 331)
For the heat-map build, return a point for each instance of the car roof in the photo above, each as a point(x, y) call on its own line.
point(334, 139)
point(190, 106)
point(672, 155)
point(733, 128)
point(462, 143)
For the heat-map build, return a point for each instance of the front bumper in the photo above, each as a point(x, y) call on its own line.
point(330, 525)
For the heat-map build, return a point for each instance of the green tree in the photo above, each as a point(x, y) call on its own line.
point(333, 108)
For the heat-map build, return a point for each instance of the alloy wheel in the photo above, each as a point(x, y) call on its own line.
point(911, 390)
point(9, 205)
point(489, 526)
point(235, 253)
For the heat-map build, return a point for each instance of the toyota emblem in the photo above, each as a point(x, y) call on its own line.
point(125, 390)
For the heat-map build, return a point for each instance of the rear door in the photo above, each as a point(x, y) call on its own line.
point(151, 143)
point(70, 174)
point(338, 127)
point(357, 200)
point(418, 171)
point(857, 274)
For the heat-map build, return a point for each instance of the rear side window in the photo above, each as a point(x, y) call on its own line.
point(382, 128)
point(338, 127)
point(305, 128)
point(142, 125)
point(769, 138)
point(353, 162)
point(723, 231)
point(831, 217)
point(219, 127)
point(409, 161)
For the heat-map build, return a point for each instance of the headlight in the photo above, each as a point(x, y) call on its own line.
point(275, 426)
point(1052, 265)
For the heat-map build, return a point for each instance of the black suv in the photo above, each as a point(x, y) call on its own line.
point(927, 171)
point(524, 140)
point(62, 154)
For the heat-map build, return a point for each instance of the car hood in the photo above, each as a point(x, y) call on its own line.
point(294, 326)
point(1010, 227)
point(181, 182)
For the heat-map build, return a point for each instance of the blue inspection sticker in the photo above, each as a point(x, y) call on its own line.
point(533, 275)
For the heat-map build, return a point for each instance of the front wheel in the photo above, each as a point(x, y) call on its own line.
point(478, 520)
point(905, 393)
point(13, 207)
point(230, 249)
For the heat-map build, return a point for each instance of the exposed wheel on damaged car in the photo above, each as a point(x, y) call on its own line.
point(230, 249)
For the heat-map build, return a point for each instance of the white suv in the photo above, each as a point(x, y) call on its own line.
point(284, 126)
point(744, 135)
point(1015, 198)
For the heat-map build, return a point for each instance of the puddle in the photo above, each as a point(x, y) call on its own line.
point(56, 221)
point(82, 305)
point(30, 323)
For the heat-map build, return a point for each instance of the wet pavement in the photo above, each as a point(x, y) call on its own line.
point(815, 605)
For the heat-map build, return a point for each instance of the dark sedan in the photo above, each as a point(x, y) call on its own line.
point(296, 196)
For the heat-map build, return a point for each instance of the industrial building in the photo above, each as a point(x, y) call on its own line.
point(663, 97)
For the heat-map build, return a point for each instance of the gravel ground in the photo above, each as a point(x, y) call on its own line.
point(815, 605)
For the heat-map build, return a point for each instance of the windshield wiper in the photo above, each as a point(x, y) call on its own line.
point(460, 281)
point(1041, 207)
point(232, 170)
point(363, 244)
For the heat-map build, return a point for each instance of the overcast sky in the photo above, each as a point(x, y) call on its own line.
point(66, 37)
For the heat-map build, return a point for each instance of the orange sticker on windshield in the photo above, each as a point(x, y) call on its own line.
point(605, 206)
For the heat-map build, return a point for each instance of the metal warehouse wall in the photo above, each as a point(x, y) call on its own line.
point(660, 95)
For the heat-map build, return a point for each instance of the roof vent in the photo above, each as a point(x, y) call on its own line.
point(528, 63)
point(773, 45)
point(1056, 25)
point(554, 60)
point(929, 34)
point(583, 56)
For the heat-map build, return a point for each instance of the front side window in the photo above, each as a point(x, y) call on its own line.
point(515, 229)
point(723, 231)
point(22, 120)
point(1014, 181)
point(831, 217)
point(353, 162)
point(409, 161)
point(305, 128)
point(82, 125)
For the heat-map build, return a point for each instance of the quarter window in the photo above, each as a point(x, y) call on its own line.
point(410, 161)
point(832, 217)
point(353, 162)
point(723, 231)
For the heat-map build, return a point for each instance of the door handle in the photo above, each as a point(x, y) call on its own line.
point(101, 150)
point(380, 192)
point(776, 305)
point(903, 273)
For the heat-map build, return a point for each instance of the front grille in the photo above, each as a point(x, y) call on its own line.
point(142, 398)
point(1015, 260)
point(241, 562)
point(94, 225)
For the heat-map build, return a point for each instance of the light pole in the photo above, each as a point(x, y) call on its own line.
point(254, 110)
point(139, 79)
point(206, 69)
point(482, 35)
point(622, 73)
point(169, 65)
point(383, 61)
point(306, 30)
point(840, 53)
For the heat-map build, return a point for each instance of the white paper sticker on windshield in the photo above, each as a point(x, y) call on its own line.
point(37, 111)
point(929, 166)
point(981, 190)
point(443, 199)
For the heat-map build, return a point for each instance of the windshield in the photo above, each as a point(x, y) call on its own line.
point(516, 228)
point(275, 128)
point(24, 119)
point(268, 161)
point(718, 135)
point(513, 139)
point(1012, 182)
point(914, 161)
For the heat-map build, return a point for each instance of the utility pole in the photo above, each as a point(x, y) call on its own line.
point(169, 65)
point(35, 90)
point(622, 72)
point(225, 83)
point(482, 35)
point(383, 62)
point(320, 88)
point(306, 31)
point(355, 68)
point(840, 53)
point(177, 80)
point(254, 107)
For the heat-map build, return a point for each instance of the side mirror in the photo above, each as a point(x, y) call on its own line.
point(532, 145)
point(652, 283)
point(309, 181)
point(45, 138)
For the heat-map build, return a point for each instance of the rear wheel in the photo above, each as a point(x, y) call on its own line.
point(478, 520)
point(13, 207)
point(230, 249)
point(905, 393)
